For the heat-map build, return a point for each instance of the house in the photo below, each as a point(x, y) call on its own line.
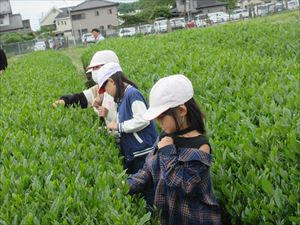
point(63, 22)
point(10, 22)
point(94, 14)
point(48, 20)
point(200, 6)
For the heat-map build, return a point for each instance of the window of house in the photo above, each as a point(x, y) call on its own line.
point(182, 2)
point(78, 16)
point(65, 22)
point(109, 11)
point(2, 16)
point(57, 23)
point(97, 13)
point(109, 26)
point(1, 21)
point(101, 27)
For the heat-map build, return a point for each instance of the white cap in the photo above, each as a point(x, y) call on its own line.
point(106, 72)
point(168, 92)
point(102, 57)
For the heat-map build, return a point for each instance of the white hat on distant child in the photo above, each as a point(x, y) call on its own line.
point(106, 72)
point(168, 92)
point(102, 57)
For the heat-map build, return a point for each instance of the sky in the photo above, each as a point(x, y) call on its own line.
point(34, 10)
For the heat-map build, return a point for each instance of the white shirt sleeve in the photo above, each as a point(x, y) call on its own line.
point(137, 123)
point(91, 94)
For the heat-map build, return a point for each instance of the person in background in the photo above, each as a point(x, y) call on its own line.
point(179, 168)
point(97, 35)
point(3, 61)
point(137, 135)
point(102, 102)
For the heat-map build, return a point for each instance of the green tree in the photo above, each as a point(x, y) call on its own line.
point(128, 7)
point(16, 37)
point(231, 3)
point(150, 4)
point(132, 19)
point(160, 11)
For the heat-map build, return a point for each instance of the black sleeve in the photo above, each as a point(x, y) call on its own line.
point(3, 58)
point(75, 100)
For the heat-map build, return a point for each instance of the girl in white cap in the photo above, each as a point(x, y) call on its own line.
point(101, 102)
point(179, 168)
point(138, 135)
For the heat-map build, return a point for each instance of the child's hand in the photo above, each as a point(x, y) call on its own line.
point(57, 103)
point(112, 126)
point(96, 103)
point(164, 142)
point(102, 111)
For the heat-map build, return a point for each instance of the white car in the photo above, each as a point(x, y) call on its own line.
point(146, 29)
point(39, 46)
point(294, 4)
point(201, 20)
point(177, 23)
point(87, 38)
point(218, 17)
point(161, 26)
point(239, 14)
point(127, 32)
point(279, 7)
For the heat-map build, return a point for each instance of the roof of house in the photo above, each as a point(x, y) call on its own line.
point(65, 12)
point(210, 3)
point(53, 10)
point(91, 4)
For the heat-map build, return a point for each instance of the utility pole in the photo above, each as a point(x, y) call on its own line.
point(188, 9)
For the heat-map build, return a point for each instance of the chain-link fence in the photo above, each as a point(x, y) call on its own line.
point(159, 26)
point(24, 47)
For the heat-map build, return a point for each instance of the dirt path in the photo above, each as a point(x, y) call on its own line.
point(74, 54)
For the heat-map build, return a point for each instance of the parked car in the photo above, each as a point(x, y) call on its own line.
point(294, 4)
point(218, 17)
point(265, 9)
point(177, 23)
point(202, 20)
point(87, 38)
point(279, 7)
point(127, 32)
point(39, 46)
point(161, 25)
point(146, 29)
point(239, 14)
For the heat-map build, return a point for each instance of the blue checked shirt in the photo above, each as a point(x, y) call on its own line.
point(182, 184)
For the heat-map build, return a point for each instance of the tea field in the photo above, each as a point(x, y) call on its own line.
point(57, 168)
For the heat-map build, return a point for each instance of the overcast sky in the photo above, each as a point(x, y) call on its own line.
point(36, 9)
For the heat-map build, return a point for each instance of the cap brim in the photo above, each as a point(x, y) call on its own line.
point(89, 70)
point(154, 112)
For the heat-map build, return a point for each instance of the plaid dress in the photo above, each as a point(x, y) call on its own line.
point(182, 184)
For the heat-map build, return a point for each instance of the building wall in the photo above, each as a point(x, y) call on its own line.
point(49, 18)
point(101, 18)
point(214, 9)
point(5, 7)
point(190, 5)
point(15, 23)
point(4, 20)
point(63, 24)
